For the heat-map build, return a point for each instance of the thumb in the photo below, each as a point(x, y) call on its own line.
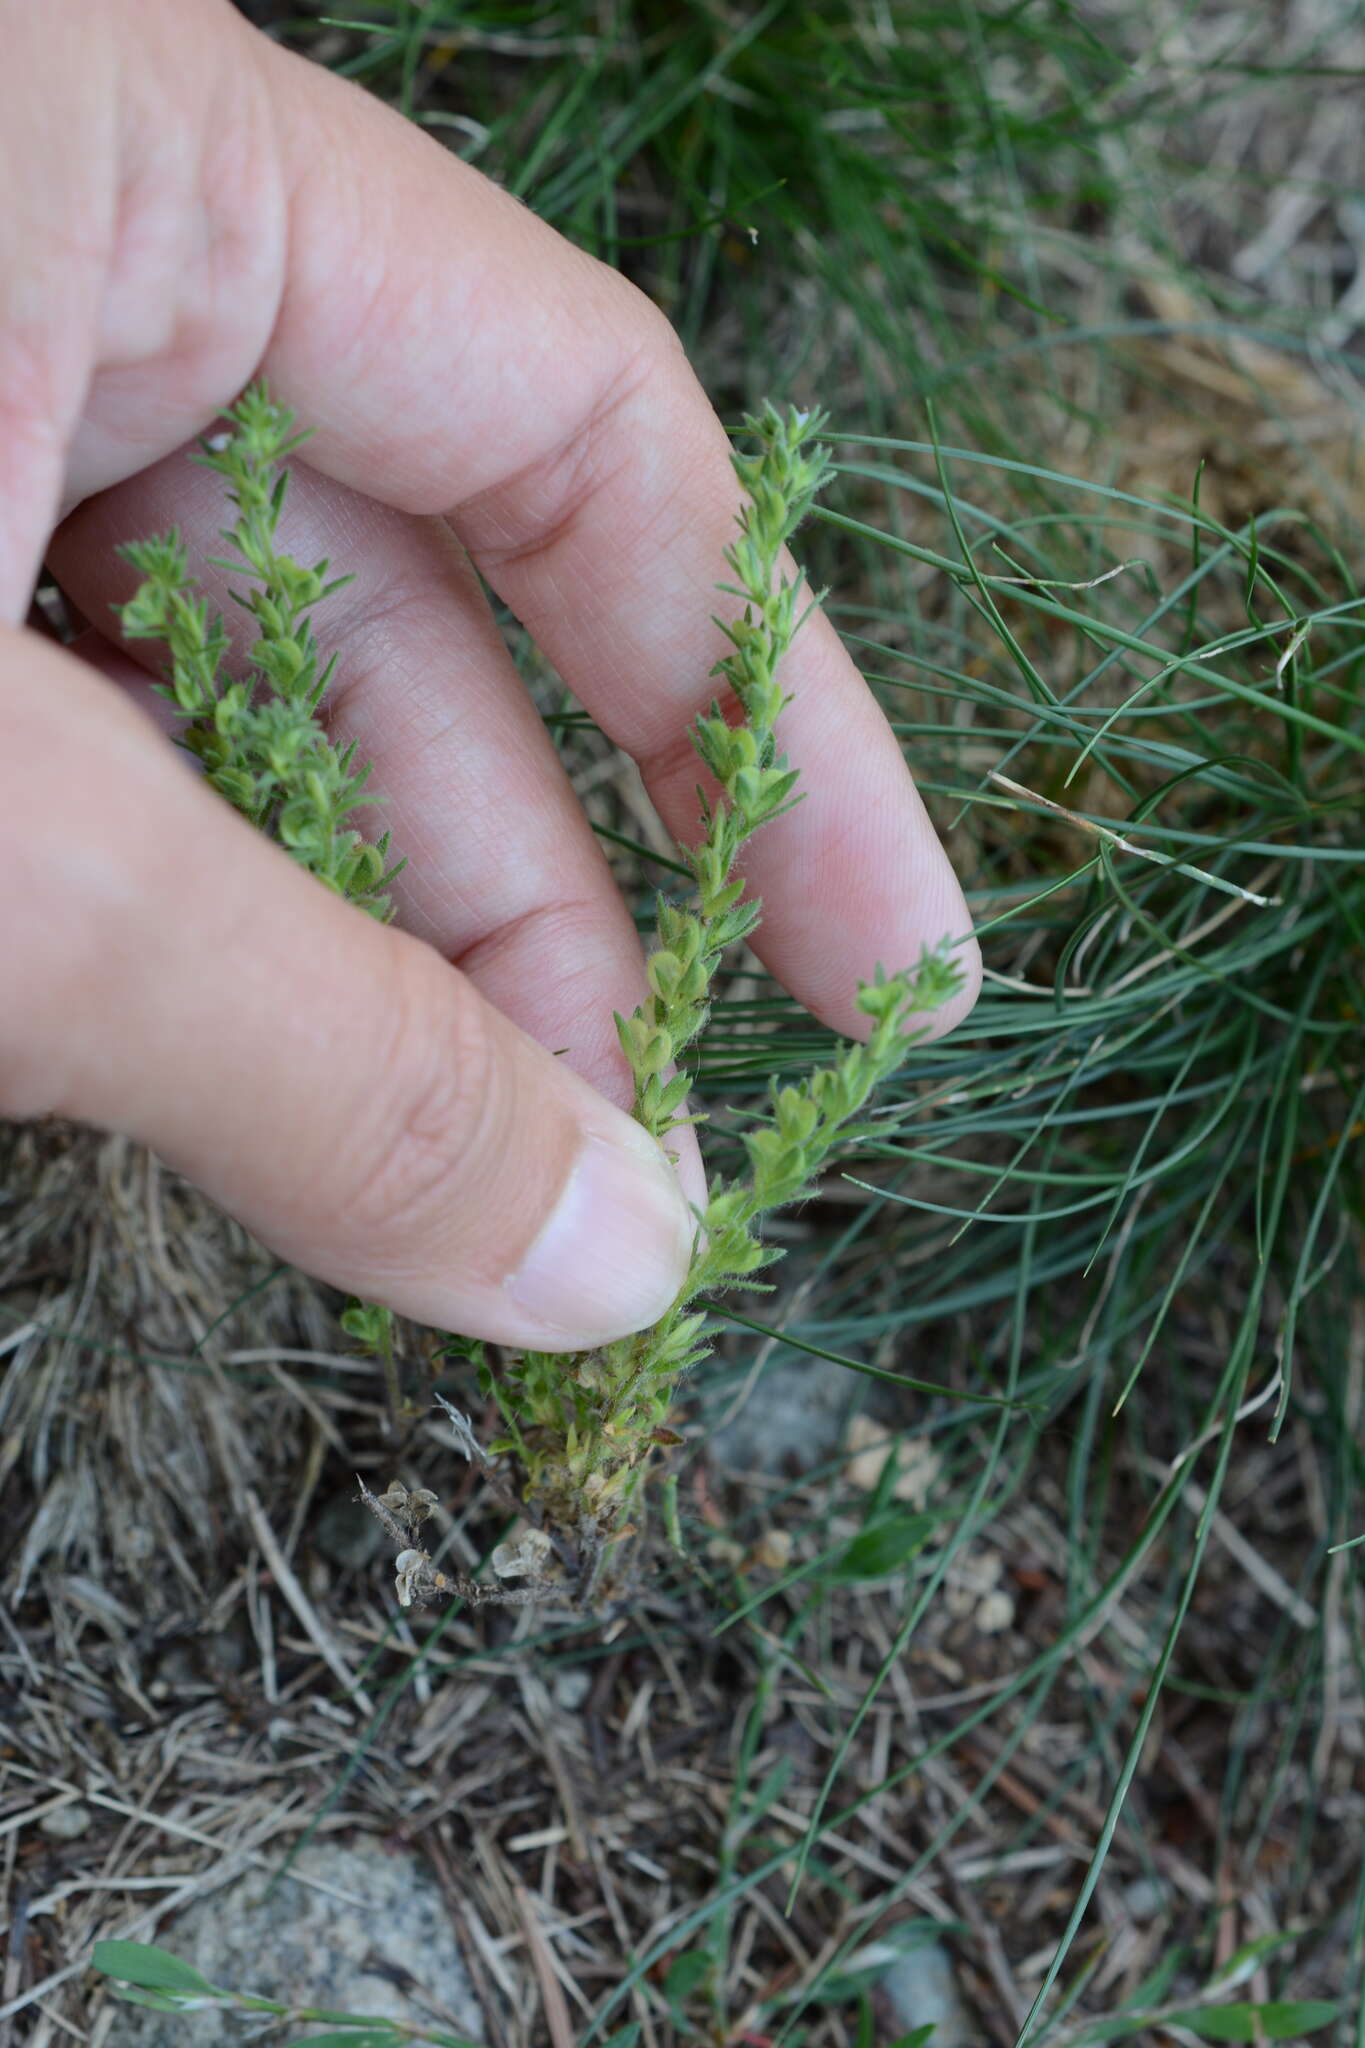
point(332, 1082)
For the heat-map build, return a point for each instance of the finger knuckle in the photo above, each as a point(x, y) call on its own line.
point(644, 323)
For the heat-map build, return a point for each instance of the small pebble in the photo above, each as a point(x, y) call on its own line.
point(995, 1613)
point(1145, 1897)
point(923, 1991)
point(570, 1688)
point(916, 1463)
point(66, 1823)
point(773, 1550)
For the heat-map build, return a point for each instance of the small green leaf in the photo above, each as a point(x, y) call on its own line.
point(918, 2037)
point(1155, 1986)
point(768, 1791)
point(1121, 2028)
point(686, 1974)
point(349, 2037)
point(1274, 2022)
point(624, 2037)
point(149, 1967)
point(1244, 1962)
point(883, 1546)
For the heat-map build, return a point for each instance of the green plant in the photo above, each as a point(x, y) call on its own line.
point(579, 1431)
point(146, 1975)
point(582, 1430)
point(259, 737)
point(268, 754)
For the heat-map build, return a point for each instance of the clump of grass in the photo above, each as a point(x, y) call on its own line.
point(1132, 1182)
point(580, 1432)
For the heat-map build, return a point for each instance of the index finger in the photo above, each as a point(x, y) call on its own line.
point(456, 355)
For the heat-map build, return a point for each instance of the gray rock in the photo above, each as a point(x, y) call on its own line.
point(66, 1823)
point(923, 1990)
point(1145, 1897)
point(308, 1948)
point(799, 1408)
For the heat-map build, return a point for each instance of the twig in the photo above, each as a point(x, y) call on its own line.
point(293, 1592)
point(542, 1962)
point(1112, 838)
point(1058, 583)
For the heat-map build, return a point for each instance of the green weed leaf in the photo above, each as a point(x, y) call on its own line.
point(883, 1546)
point(1244, 1962)
point(348, 2037)
point(1274, 2022)
point(149, 1968)
point(686, 1974)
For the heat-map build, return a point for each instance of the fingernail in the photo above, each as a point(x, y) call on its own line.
point(615, 1251)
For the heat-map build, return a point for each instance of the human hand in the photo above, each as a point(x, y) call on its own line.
point(189, 207)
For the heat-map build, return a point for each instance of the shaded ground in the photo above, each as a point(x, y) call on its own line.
point(200, 1655)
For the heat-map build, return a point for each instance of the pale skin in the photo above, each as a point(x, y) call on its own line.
point(188, 207)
